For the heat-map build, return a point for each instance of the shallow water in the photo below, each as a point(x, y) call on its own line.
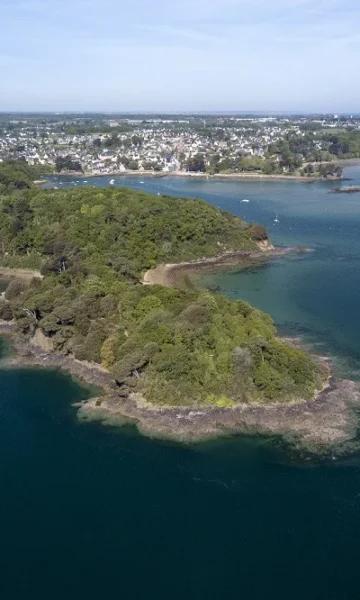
point(94, 512)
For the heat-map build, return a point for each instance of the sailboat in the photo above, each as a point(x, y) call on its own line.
point(276, 220)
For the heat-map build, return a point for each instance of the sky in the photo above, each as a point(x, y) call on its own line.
point(180, 55)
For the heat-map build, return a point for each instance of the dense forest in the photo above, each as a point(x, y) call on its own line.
point(16, 175)
point(175, 346)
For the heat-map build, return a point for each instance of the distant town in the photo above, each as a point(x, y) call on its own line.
point(279, 145)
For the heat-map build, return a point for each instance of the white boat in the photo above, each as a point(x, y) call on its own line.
point(112, 181)
point(142, 182)
point(276, 220)
point(244, 200)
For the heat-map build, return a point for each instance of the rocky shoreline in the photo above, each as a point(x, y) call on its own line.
point(319, 425)
point(171, 274)
point(350, 189)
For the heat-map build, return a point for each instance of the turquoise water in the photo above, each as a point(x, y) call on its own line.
point(93, 512)
point(4, 347)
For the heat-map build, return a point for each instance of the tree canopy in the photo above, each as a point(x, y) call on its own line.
point(16, 175)
point(175, 346)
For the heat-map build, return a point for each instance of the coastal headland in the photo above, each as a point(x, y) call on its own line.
point(327, 422)
point(321, 424)
point(103, 303)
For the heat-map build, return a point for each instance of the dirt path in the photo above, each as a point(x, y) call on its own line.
point(24, 274)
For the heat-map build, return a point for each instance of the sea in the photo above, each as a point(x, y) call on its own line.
point(91, 511)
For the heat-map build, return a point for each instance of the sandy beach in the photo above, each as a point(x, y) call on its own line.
point(172, 274)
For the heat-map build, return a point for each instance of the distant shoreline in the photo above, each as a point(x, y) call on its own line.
point(251, 176)
point(198, 175)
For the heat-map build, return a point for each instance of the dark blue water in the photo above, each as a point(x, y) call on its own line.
point(89, 512)
point(93, 512)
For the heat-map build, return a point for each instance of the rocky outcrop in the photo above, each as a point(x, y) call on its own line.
point(40, 341)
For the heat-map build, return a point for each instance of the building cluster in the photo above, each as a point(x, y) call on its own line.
point(161, 144)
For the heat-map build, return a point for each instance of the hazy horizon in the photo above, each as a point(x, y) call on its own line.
point(209, 56)
point(195, 113)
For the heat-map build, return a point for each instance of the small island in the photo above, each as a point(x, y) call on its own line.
point(182, 362)
point(349, 189)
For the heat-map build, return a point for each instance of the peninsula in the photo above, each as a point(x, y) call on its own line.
point(158, 351)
